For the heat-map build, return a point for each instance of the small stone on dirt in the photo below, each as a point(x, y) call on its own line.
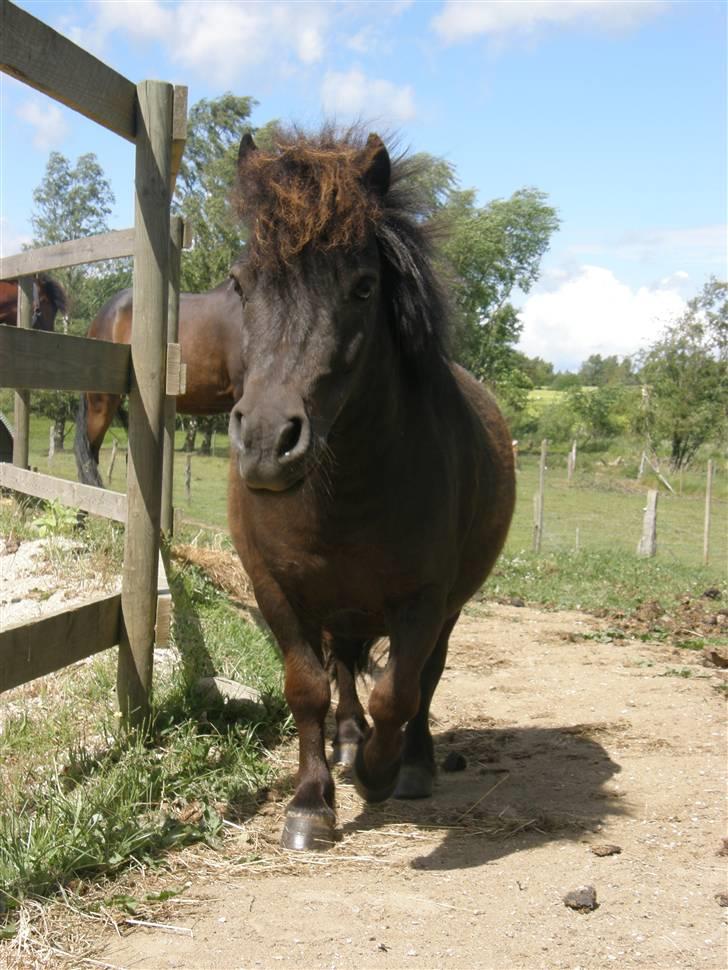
point(606, 849)
point(716, 656)
point(723, 848)
point(516, 601)
point(583, 899)
point(455, 761)
point(722, 899)
point(712, 593)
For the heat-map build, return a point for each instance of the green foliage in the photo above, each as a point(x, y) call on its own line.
point(598, 371)
point(71, 202)
point(204, 187)
point(493, 250)
point(685, 374)
point(56, 519)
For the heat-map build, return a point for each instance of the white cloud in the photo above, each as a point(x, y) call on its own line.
point(463, 19)
point(593, 312)
point(11, 241)
point(217, 39)
point(46, 119)
point(354, 94)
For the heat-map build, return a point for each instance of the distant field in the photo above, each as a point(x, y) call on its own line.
point(604, 502)
point(540, 397)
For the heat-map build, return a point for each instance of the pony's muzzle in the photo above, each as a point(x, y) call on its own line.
point(271, 446)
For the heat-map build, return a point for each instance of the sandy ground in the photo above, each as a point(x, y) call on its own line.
point(570, 744)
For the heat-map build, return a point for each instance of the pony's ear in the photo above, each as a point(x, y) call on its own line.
point(376, 168)
point(247, 145)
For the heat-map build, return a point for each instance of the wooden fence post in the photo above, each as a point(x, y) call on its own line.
point(706, 526)
point(110, 470)
point(146, 397)
point(538, 500)
point(188, 477)
point(22, 397)
point(571, 463)
point(647, 546)
point(170, 402)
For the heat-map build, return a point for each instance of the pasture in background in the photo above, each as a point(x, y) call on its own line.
point(604, 501)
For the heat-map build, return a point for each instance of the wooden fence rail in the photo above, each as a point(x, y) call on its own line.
point(152, 114)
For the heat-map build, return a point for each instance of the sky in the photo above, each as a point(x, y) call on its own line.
point(617, 111)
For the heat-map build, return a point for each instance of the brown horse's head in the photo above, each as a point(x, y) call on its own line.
point(327, 281)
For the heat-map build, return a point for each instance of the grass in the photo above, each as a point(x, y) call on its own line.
point(79, 797)
point(596, 580)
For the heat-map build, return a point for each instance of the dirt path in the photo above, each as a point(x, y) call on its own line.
point(570, 744)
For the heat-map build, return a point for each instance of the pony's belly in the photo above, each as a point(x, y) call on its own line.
point(354, 624)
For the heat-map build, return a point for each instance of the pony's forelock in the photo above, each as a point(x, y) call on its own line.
point(309, 193)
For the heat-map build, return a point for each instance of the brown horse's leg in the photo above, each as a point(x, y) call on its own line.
point(310, 817)
point(417, 771)
point(101, 411)
point(414, 631)
point(351, 723)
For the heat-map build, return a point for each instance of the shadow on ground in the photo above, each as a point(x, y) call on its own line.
point(522, 787)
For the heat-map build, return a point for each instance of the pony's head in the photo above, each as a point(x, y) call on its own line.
point(336, 285)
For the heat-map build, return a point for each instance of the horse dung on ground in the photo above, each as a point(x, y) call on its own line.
point(371, 478)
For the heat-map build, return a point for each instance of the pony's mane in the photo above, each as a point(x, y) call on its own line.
point(309, 194)
point(54, 291)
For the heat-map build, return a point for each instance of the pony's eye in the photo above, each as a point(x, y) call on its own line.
point(363, 288)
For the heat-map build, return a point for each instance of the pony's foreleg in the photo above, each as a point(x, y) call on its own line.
point(351, 723)
point(417, 771)
point(414, 633)
point(310, 815)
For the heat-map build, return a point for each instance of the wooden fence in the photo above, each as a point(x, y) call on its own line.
point(152, 115)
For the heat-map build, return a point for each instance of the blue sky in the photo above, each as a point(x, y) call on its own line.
point(616, 110)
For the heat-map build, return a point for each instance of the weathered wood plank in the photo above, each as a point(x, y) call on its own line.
point(31, 650)
point(97, 501)
point(146, 397)
point(55, 361)
point(44, 59)
point(179, 130)
point(74, 252)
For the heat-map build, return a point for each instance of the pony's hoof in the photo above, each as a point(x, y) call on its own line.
point(308, 833)
point(344, 754)
point(368, 790)
point(414, 781)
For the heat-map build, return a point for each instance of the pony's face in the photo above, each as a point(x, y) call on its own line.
point(311, 314)
point(307, 338)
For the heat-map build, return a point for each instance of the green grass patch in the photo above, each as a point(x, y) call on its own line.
point(80, 797)
point(595, 580)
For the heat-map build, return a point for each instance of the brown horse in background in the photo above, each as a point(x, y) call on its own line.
point(49, 298)
point(210, 342)
point(371, 478)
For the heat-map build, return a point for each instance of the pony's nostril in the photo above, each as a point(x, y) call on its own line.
point(289, 437)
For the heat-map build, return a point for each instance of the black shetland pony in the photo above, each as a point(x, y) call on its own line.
point(49, 298)
point(371, 478)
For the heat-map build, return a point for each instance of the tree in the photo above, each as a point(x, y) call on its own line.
point(204, 186)
point(72, 202)
point(494, 250)
point(685, 377)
